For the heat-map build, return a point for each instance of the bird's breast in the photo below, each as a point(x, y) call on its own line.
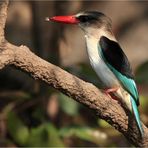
point(104, 73)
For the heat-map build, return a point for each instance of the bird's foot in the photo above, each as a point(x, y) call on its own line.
point(110, 92)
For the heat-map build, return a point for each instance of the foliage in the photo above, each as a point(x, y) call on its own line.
point(17, 129)
point(41, 136)
point(85, 133)
point(142, 73)
point(69, 106)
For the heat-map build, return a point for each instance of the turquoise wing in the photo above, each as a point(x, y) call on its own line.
point(128, 83)
point(116, 60)
point(137, 117)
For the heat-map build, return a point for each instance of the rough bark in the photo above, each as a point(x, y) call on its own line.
point(83, 92)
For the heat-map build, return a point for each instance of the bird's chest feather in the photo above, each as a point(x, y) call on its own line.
point(98, 64)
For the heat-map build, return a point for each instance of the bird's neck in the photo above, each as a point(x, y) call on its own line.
point(92, 37)
point(97, 33)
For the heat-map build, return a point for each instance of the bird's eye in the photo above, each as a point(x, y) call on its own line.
point(83, 19)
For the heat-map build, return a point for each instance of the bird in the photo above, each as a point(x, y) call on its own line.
point(107, 58)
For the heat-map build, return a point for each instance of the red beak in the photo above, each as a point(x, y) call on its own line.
point(71, 19)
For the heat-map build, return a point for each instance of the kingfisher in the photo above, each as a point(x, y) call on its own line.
point(107, 58)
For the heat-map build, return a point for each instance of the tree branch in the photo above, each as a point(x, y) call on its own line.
point(83, 92)
point(3, 17)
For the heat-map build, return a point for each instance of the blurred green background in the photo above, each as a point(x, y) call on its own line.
point(34, 114)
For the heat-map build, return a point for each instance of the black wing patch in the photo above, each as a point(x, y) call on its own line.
point(115, 56)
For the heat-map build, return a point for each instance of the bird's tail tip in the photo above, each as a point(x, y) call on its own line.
point(137, 117)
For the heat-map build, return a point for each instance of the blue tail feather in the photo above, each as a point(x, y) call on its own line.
point(136, 114)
